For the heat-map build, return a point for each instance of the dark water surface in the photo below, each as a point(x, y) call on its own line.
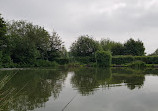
point(84, 89)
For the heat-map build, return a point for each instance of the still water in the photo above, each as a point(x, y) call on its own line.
point(83, 89)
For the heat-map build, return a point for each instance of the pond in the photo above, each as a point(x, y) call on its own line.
point(82, 89)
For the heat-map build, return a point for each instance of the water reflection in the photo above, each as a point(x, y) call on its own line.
point(34, 87)
point(88, 80)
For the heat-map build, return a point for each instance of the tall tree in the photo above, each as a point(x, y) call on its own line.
point(135, 48)
point(5, 59)
point(84, 46)
point(3, 29)
point(117, 49)
point(107, 44)
point(55, 47)
point(27, 41)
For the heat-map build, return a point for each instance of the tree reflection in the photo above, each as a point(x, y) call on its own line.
point(88, 80)
point(132, 81)
point(34, 87)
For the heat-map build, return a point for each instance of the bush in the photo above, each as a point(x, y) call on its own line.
point(45, 63)
point(118, 60)
point(148, 59)
point(103, 58)
point(85, 60)
point(7, 62)
point(137, 64)
point(0, 58)
point(62, 61)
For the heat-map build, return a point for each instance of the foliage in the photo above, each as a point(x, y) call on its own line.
point(131, 47)
point(62, 61)
point(137, 64)
point(118, 60)
point(148, 59)
point(56, 48)
point(24, 53)
point(85, 60)
point(103, 58)
point(30, 42)
point(7, 62)
point(23, 44)
point(27, 41)
point(84, 46)
point(2, 33)
point(64, 53)
point(135, 48)
point(45, 63)
point(107, 44)
point(1, 58)
point(117, 49)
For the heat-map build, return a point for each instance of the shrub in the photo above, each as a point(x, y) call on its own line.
point(62, 61)
point(0, 58)
point(103, 58)
point(85, 60)
point(118, 60)
point(148, 59)
point(137, 64)
point(7, 62)
point(45, 63)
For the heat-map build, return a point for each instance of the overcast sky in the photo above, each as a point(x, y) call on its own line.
point(118, 20)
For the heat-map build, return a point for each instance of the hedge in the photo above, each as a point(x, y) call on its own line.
point(103, 58)
point(84, 60)
point(118, 60)
point(62, 61)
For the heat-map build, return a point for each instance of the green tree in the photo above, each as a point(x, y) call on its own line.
point(64, 53)
point(117, 49)
point(135, 48)
point(2, 32)
point(55, 49)
point(107, 44)
point(2, 36)
point(84, 46)
point(103, 58)
point(27, 41)
point(5, 59)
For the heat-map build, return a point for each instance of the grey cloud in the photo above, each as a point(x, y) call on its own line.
point(71, 18)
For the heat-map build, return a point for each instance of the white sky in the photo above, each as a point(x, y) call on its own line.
point(118, 20)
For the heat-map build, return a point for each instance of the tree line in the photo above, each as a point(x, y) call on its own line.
point(87, 46)
point(25, 44)
point(22, 43)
